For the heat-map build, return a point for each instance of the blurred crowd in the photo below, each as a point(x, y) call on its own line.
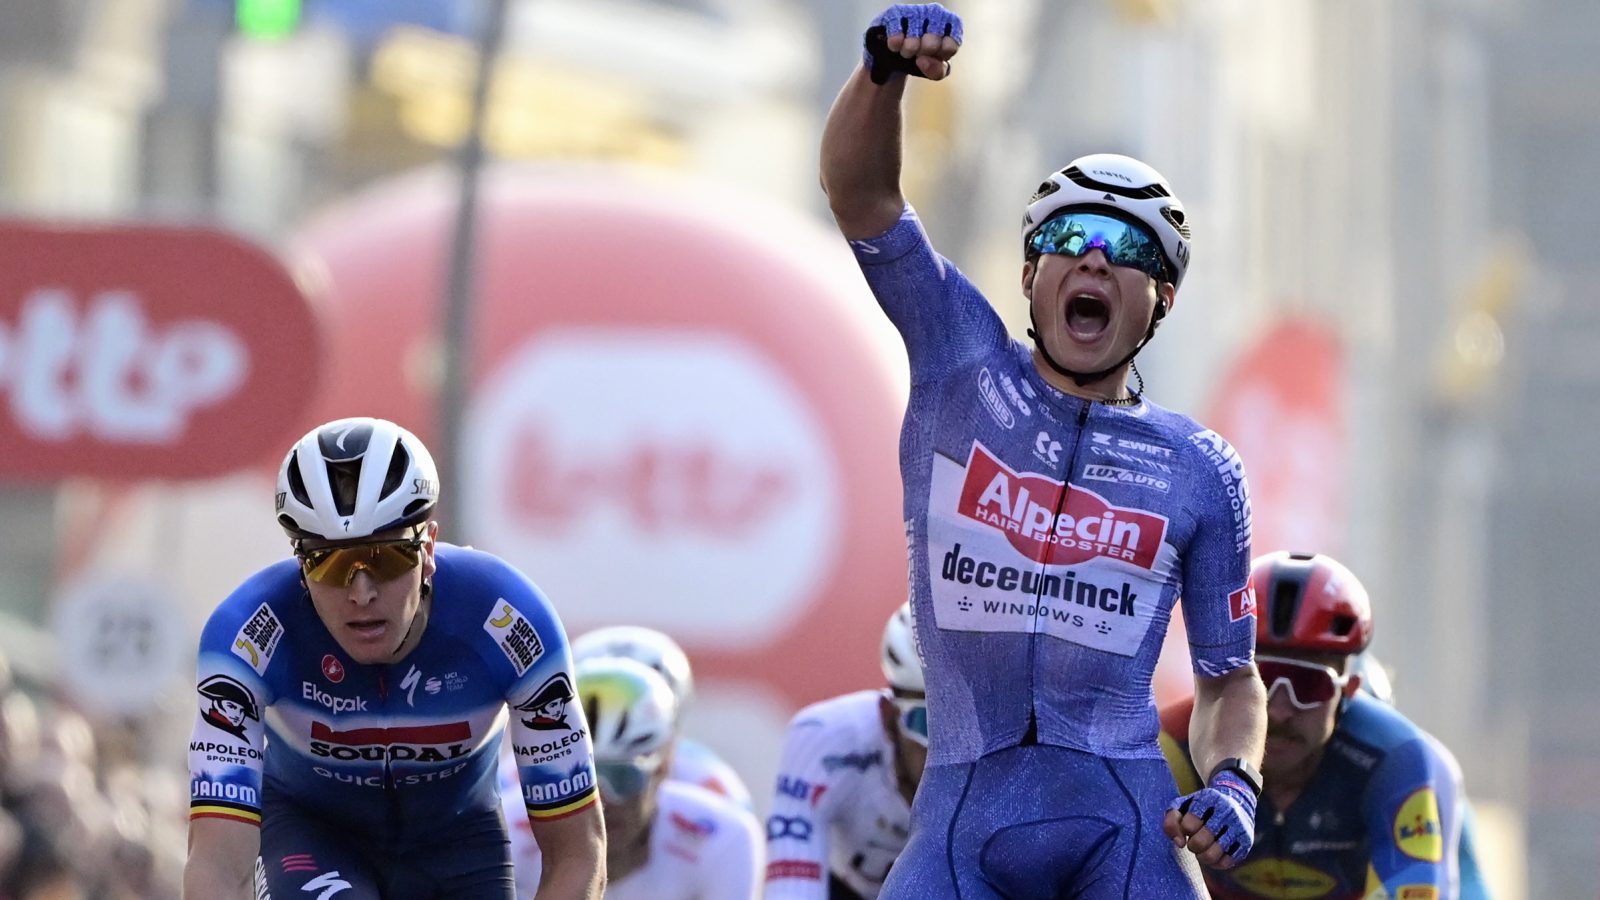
point(81, 816)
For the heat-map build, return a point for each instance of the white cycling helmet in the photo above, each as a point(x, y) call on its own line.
point(631, 710)
point(645, 645)
point(1122, 183)
point(902, 667)
point(353, 478)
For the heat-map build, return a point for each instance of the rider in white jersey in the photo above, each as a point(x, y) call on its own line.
point(666, 840)
point(842, 810)
point(692, 762)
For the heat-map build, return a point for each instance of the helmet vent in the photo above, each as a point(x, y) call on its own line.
point(345, 480)
point(591, 710)
point(1285, 604)
point(414, 507)
point(287, 523)
point(399, 462)
point(1046, 188)
point(297, 484)
point(1341, 625)
point(1178, 220)
point(1082, 179)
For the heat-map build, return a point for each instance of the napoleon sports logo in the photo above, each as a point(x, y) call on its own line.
point(1049, 528)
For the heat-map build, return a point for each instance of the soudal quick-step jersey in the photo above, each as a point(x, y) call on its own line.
point(389, 750)
point(1049, 535)
point(838, 807)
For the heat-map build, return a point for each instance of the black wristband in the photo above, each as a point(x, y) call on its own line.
point(1241, 767)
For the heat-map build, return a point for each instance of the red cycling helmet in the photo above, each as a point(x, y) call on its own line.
point(1309, 602)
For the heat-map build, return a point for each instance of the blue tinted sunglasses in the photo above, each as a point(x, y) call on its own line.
point(1074, 233)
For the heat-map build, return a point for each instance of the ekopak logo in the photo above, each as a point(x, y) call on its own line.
point(1047, 528)
point(119, 346)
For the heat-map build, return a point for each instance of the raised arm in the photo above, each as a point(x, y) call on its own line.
point(861, 142)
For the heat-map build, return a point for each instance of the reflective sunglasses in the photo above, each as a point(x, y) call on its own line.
point(623, 780)
point(337, 566)
point(913, 718)
point(1124, 243)
point(1310, 685)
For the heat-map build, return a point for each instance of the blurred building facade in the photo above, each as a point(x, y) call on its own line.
point(1410, 176)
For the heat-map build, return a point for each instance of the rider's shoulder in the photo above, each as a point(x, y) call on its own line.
point(1371, 726)
point(474, 580)
point(843, 715)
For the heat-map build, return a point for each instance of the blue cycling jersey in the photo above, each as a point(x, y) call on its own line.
point(1384, 808)
point(1050, 536)
point(390, 751)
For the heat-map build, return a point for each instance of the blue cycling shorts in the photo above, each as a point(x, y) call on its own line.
point(1037, 822)
point(305, 856)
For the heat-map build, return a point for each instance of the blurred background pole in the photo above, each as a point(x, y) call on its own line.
point(463, 282)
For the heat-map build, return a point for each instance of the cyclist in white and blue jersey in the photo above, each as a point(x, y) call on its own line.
point(1054, 518)
point(351, 701)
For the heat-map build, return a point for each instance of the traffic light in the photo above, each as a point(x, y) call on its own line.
point(267, 19)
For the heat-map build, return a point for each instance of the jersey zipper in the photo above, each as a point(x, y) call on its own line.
point(1031, 736)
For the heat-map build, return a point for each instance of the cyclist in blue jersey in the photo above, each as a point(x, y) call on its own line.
point(351, 701)
point(1054, 517)
point(1358, 801)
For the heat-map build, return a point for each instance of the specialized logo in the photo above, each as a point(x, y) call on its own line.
point(1048, 528)
point(1242, 604)
point(231, 704)
point(409, 685)
point(517, 638)
point(1283, 879)
point(1115, 475)
point(1417, 831)
point(792, 827)
point(406, 743)
point(332, 669)
point(325, 885)
point(1231, 468)
point(258, 639)
point(992, 399)
point(547, 708)
point(345, 444)
point(335, 705)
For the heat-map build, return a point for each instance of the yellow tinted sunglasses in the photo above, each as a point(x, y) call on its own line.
point(337, 566)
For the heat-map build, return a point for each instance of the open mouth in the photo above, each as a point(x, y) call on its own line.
point(367, 628)
point(1088, 316)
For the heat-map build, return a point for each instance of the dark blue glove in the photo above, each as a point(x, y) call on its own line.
point(1228, 807)
point(911, 20)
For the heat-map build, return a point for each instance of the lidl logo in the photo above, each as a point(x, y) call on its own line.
point(1283, 879)
point(1417, 829)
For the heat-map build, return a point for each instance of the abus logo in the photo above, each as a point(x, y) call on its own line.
point(1024, 507)
point(691, 454)
point(107, 373)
